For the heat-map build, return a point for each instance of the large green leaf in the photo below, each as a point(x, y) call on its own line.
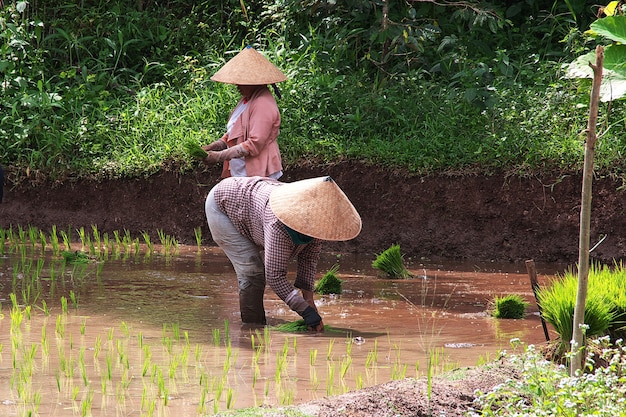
point(611, 27)
point(613, 85)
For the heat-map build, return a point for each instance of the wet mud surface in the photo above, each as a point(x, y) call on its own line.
point(473, 217)
point(135, 318)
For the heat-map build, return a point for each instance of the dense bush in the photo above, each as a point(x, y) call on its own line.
point(111, 88)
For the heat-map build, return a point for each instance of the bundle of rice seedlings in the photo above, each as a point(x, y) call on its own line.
point(195, 150)
point(75, 257)
point(511, 306)
point(391, 263)
point(292, 326)
point(330, 283)
point(298, 326)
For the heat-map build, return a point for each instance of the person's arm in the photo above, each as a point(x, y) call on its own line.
point(278, 250)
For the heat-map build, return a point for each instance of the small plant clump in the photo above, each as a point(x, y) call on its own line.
point(296, 326)
point(195, 150)
point(391, 263)
point(75, 257)
point(329, 283)
point(511, 306)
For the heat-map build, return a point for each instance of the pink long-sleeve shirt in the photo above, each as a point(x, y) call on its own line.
point(257, 128)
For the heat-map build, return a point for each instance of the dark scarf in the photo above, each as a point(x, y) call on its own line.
point(297, 237)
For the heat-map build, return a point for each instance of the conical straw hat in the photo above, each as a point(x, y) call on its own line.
point(316, 207)
point(249, 67)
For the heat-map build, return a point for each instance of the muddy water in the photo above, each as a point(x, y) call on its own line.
point(162, 335)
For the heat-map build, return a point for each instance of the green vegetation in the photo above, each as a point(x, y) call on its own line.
point(115, 89)
point(330, 283)
point(296, 327)
point(604, 310)
point(391, 262)
point(511, 306)
point(547, 389)
point(195, 150)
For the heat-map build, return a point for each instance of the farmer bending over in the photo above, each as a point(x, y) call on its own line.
point(248, 215)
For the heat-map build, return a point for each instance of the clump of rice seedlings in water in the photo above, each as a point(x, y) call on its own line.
point(511, 306)
point(391, 262)
point(194, 149)
point(75, 257)
point(330, 283)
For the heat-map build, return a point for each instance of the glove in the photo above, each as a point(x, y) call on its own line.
point(218, 145)
point(311, 317)
point(236, 151)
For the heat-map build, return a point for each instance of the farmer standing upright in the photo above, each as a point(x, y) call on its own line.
point(249, 147)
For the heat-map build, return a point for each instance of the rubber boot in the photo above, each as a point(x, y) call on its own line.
point(251, 304)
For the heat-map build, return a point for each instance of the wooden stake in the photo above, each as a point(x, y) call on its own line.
point(534, 284)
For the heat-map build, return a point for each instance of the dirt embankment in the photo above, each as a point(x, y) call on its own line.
point(472, 217)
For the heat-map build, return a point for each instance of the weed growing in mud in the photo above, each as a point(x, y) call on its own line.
point(547, 389)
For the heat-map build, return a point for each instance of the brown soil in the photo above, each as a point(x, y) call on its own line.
point(451, 395)
point(474, 217)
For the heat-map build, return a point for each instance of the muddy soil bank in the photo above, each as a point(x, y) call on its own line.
point(474, 217)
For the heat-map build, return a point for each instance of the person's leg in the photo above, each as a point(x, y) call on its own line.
point(246, 259)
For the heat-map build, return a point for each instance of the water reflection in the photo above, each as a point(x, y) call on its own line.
point(163, 333)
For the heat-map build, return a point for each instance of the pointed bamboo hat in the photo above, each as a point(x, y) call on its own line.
point(316, 207)
point(249, 67)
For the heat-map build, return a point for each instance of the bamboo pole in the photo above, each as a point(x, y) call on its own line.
point(577, 345)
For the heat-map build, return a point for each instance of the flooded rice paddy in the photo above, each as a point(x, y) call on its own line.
point(157, 332)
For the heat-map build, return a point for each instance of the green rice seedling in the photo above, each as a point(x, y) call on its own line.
point(198, 233)
point(33, 236)
point(148, 242)
point(176, 331)
point(312, 357)
point(67, 239)
point(42, 241)
point(97, 241)
point(344, 366)
point(74, 299)
point(82, 366)
point(137, 246)
point(216, 337)
point(86, 404)
point(83, 237)
point(391, 262)
point(230, 398)
point(372, 356)
point(329, 283)
point(330, 379)
point(194, 149)
point(511, 306)
point(54, 240)
point(329, 351)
